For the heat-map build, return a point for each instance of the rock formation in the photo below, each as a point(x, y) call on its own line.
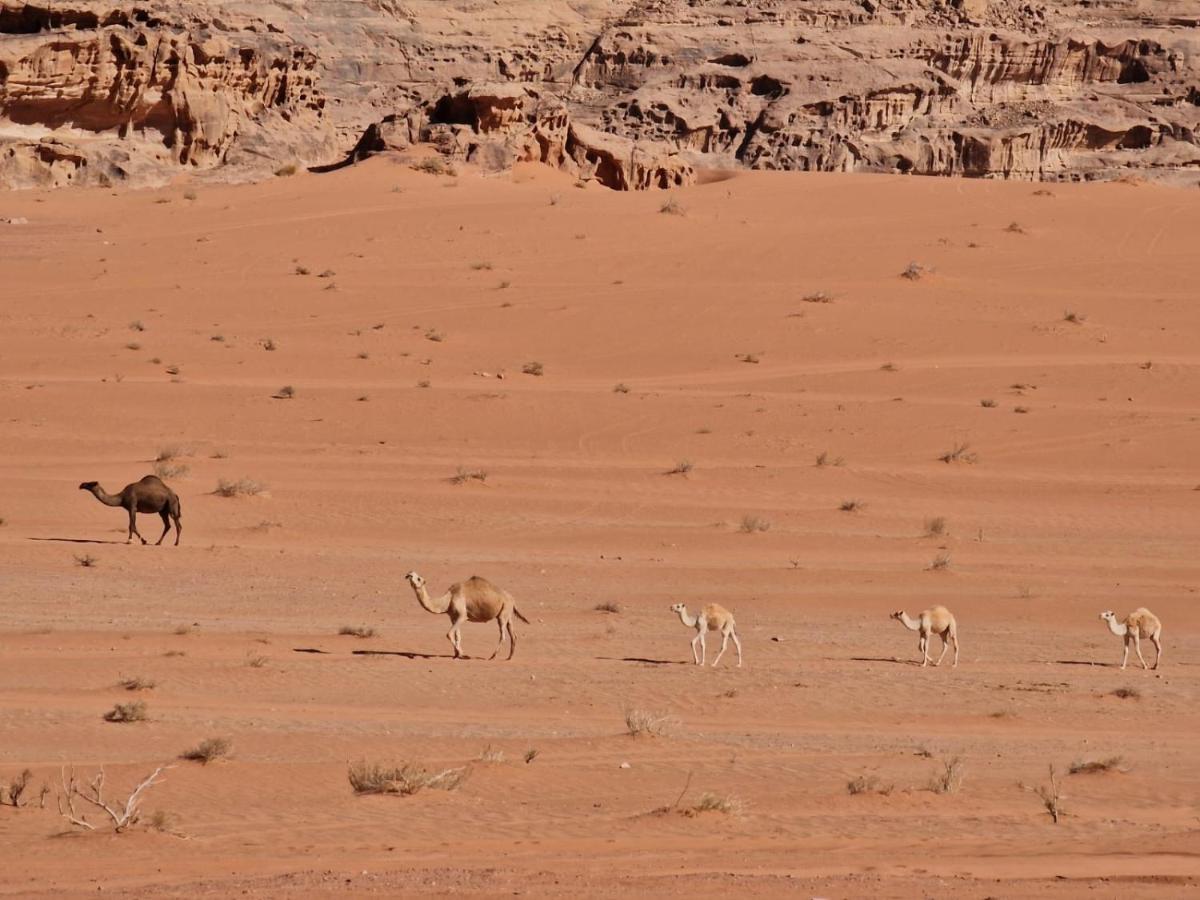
point(635, 94)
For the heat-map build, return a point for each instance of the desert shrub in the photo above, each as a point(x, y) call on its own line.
point(852, 505)
point(358, 631)
point(463, 475)
point(868, 784)
point(825, 458)
point(672, 207)
point(243, 487)
point(86, 560)
point(127, 712)
point(121, 815)
point(607, 606)
point(935, 527)
point(751, 524)
point(137, 683)
point(405, 779)
point(818, 297)
point(287, 392)
point(988, 404)
point(208, 750)
point(681, 468)
point(949, 778)
point(940, 563)
point(914, 271)
point(287, 170)
point(170, 470)
point(1097, 766)
point(533, 368)
point(643, 722)
point(960, 452)
point(710, 802)
point(1127, 693)
point(620, 389)
point(490, 754)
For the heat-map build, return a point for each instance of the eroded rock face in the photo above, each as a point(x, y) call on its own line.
point(635, 94)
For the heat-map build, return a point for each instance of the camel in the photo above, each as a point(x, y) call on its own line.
point(935, 620)
point(712, 617)
point(476, 600)
point(149, 495)
point(1138, 624)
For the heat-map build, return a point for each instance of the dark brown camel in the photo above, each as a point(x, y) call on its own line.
point(149, 495)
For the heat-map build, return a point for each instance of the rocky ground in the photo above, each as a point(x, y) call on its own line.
point(632, 94)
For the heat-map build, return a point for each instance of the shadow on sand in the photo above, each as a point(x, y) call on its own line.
point(408, 654)
point(886, 659)
point(642, 659)
point(77, 541)
point(1084, 662)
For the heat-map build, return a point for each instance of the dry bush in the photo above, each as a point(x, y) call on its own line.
point(127, 712)
point(463, 475)
point(940, 563)
point(710, 802)
point(607, 606)
point(217, 338)
point(405, 779)
point(681, 468)
point(268, 344)
point(1127, 693)
point(889, 367)
point(915, 271)
point(482, 266)
point(133, 345)
point(852, 505)
point(14, 792)
point(818, 297)
point(949, 779)
point(286, 170)
point(358, 631)
point(960, 452)
point(751, 358)
point(434, 165)
point(751, 524)
point(935, 527)
point(287, 392)
point(640, 722)
point(256, 660)
point(1015, 228)
point(302, 270)
point(183, 629)
point(988, 404)
point(86, 560)
point(122, 816)
point(1051, 795)
point(672, 207)
point(208, 750)
point(327, 273)
point(1098, 766)
point(243, 487)
point(137, 683)
point(1074, 318)
point(1020, 409)
point(168, 452)
point(533, 368)
point(490, 754)
point(868, 784)
point(530, 756)
point(136, 325)
point(825, 458)
point(170, 470)
point(434, 335)
point(621, 388)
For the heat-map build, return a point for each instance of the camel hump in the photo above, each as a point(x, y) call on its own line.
point(152, 481)
point(476, 582)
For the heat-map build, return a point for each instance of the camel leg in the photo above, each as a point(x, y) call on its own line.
point(945, 644)
point(1125, 655)
point(695, 653)
point(178, 530)
point(923, 646)
point(500, 643)
point(512, 640)
point(954, 637)
point(455, 638)
point(1157, 649)
point(703, 647)
point(133, 528)
point(1137, 645)
point(724, 644)
point(737, 644)
point(166, 517)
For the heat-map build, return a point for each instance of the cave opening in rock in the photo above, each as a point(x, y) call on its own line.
point(734, 60)
point(31, 19)
point(766, 86)
point(1134, 72)
point(456, 109)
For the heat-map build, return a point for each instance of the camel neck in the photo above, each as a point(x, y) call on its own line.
point(689, 621)
point(105, 497)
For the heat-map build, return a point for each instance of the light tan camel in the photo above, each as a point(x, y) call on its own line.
point(476, 600)
point(1141, 623)
point(935, 620)
point(149, 495)
point(712, 617)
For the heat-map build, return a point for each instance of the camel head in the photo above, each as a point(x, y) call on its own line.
point(1108, 616)
point(679, 607)
point(898, 614)
point(89, 485)
point(415, 580)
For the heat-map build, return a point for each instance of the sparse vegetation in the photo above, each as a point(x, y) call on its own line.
point(852, 506)
point(463, 475)
point(172, 370)
point(818, 297)
point(914, 272)
point(621, 389)
point(1051, 795)
point(681, 468)
point(363, 354)
point(935, 527)
point(1021, 409)
point(170, 470)
point(1074, 318)
point(1015, 228)
point(949, 779)
point(751, 358)
point(358, 631)
point(434, 165)
point(434, 335)
point(327, 273)
point(889, 367)
point(607, 606)
point(268, 344)
point(424, 383)
point(1097, 766)
point(134, 711)
point(405, 779)
point(988, 404)
point(710, 802)
point(530, 756)
point(868, 784)
point(121, 816)
point(302, 270)
point(482, 266)
point(940, 563)
point(825, 458)
point(137, 683)
point(639, 722)
point(243, 487)
point(136, 325)
point(286, 170)
point(217, 338)
point(256, 660)
point(959, 453)
point(672, 207)
point(751, 524)
point(133, 345)
point(533, 368)
point(182, 629)
point(86, 560)
point(490, 754)
point(1127, 693)
point(287, 392)
point(208, 750)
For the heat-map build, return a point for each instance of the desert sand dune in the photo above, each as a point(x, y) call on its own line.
point(1050, 340)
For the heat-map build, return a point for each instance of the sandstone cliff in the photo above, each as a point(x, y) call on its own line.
point(634, 94)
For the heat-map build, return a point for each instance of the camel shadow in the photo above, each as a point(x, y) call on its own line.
point(408, 654)
point(642, 659)
point(62, 540)
point(885, 659)
point(1084, 662)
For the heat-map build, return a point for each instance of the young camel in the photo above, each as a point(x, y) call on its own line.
point(935, 620)
point(712, 617)
point(476, 600)
point(149, 495)
point(1141, 623)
